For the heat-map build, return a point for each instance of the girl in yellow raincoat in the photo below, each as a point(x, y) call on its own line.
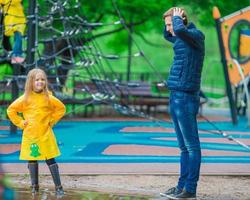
point(14, 25)
point(40, 112)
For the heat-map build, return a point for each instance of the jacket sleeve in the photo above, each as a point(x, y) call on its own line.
point(13, 110)
point(12, 2)
point(168, 36)
point(191, 36)
point(15, 2)
point(58, 110)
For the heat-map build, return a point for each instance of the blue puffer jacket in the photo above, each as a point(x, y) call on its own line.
point(185, 72)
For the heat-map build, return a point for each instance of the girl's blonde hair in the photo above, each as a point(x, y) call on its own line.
point(30, 81)
point(170, 13)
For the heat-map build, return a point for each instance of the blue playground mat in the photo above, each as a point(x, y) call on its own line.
point(85, 142)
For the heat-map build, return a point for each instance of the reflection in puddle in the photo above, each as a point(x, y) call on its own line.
point(48, 194)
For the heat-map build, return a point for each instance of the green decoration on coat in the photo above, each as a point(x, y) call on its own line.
point(34, 150)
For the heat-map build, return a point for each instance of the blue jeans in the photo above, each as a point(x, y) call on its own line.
point(17, 49)
point(184, 109)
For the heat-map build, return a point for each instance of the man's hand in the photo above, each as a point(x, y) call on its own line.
point(178, 12)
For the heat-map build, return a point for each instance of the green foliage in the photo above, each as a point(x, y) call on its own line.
point(201, 10)
point(146, 15)
point(5, 69)
point(149, 11)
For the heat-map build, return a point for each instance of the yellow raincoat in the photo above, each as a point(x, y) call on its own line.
point(14, 18)
point(38, 141)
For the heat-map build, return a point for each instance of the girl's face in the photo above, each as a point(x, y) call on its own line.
point(39, 82)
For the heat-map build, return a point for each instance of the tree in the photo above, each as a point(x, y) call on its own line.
point(140, 17)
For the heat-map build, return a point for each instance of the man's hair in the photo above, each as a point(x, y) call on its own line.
point(170, 13)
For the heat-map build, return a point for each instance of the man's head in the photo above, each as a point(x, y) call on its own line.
point(167, 17)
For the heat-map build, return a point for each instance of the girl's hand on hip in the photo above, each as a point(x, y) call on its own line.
point(25, 122)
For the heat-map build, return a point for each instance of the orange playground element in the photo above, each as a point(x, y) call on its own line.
point(226, 25)
point(245, 44)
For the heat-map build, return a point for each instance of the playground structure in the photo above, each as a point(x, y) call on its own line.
point(231, 29)
point(74, 61)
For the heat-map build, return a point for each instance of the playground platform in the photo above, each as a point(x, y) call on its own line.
point(134, 146)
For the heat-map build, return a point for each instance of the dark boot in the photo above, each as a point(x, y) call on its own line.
point(33, 170)
point(56, 178)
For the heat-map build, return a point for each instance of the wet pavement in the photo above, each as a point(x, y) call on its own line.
point(48, 194)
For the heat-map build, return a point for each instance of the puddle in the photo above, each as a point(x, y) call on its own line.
point(48, 194)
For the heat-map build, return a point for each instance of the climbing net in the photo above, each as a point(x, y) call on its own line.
point(67, 49)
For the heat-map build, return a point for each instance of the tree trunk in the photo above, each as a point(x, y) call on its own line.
point(130, 45)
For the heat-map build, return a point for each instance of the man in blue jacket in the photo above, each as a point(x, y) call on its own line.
point(184, 85)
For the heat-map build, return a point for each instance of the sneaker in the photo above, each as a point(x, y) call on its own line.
point(183, 195)
point(16, 60)
point(171, 191)
point(34, 189)
point(59, 192)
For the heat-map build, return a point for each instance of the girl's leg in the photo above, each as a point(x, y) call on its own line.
point(53, 167)
point(50, 161)
point(33, 170)
point(17, 49)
